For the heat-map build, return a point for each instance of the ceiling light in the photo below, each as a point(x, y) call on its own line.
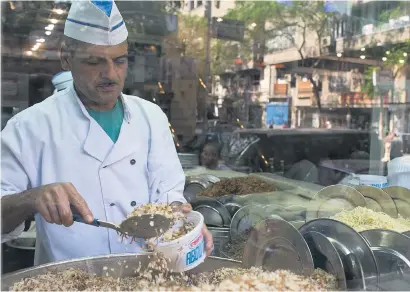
point(379, 44)
point(54, 21)
point(59, 11)
point(339, 54)
point(34, 48)
point(401, 61)
point(29, 53)
point(405, 54)
point(40, 40)
point(50, 27)
point(384, 59)
point(253, 24)
point(48, 32)
point(362, 57)
point(363, 49)
point(219, 19)
point(387, 52)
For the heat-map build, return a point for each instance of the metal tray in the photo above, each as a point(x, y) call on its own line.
point(275, 244)
point(326, 257)
point(401, 197)
point(332, 200)
point(194, 185)
point(119, 265)
point(245, 219)
point(215, 213)
point(391, 249)
point(358, 260)
point(378, 200)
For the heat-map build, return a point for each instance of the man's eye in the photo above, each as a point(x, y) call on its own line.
point(121, 60)
point(91, 62)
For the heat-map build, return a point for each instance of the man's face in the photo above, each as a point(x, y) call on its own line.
point(209, 157)
point(99, 72)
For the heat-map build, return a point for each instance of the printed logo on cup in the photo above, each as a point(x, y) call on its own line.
point(197, 250)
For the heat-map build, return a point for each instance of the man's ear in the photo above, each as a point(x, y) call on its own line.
point(65, 59)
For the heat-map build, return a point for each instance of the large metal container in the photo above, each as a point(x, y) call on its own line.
point(103, 264)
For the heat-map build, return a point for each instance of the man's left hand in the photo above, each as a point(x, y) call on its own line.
point(209, 241)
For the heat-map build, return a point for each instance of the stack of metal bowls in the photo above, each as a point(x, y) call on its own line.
point(188, 160)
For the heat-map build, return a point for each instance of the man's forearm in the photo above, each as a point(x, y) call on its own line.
point(15, 209)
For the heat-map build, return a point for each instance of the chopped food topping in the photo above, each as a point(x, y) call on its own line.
point(361, 218)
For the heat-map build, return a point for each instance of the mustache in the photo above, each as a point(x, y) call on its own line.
point(108, 83)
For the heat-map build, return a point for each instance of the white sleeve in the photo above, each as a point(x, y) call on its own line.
point(16, 163)
point(166, 177)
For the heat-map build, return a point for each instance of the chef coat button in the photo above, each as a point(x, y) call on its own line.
point(133, 203)
point(112, 204)
point(132, 161)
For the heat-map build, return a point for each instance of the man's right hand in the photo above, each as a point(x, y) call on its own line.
point(53, 203)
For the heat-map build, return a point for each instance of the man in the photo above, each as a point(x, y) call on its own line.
point(62, 80)
point(210, 157)
point(88, 147)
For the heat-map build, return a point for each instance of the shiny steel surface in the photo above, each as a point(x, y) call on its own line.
point(326, 257)
point(194, 185)
point(332, 200)
point(122, 265)
point(246, 218)
point(401, 197)
point(275, 244)
point(145, 226)
point(215, 213)
point(391, 249)
point(230, 203)
point(378, 200)
point(360, 265)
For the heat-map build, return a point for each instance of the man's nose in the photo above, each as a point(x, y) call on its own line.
point(110, 70)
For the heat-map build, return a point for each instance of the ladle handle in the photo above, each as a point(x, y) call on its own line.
point(77, 218)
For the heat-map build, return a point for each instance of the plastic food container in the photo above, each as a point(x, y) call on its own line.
point(188, 251)
point(377, 181)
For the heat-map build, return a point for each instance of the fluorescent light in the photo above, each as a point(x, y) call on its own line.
point(363, 49)
point(401, 61)
point(384, 59)
point(387, 52)
point(50, 27)
point(362, 57)
point(219, 19)
point(29, 53)
point(405, 54)
point(339, 54)
point(41, 40)
point(59, 11)
point(54, 21)
point(253, 24)
point(48, 32)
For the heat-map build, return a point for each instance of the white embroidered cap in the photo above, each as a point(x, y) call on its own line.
point(62, 80)
point(97, 22)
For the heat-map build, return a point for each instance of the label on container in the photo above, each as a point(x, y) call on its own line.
point(196, 251)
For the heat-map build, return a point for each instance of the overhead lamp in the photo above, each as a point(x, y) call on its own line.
point(40, 40)
point(379, 44)
point(387, 52)
point(405, 54)
point(339, 55)
point(29, 53)
point(384, 59)
point(363, 49)
point(253, 24)
point(362, 57)
point(34, 48)
point(48, 32)
point(59, 11)
point(219, 19)
point(53, 21)
point(401, 61)
point(50, 27)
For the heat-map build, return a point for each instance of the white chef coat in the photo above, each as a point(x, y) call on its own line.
point(57, 141)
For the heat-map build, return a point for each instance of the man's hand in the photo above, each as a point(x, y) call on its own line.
point(53, 203)
point(209, 241)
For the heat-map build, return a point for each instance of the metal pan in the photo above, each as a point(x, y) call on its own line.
point(358, 260)
point(391, 249)
point(245, 219)
point(332, 200)
point(378, 200)
point(275, 244)
point(230, 203)
point(195, 185)
point(401, 197)
point(215, 214)
point(326, 257)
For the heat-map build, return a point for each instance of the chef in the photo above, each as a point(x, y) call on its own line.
point(88, 146)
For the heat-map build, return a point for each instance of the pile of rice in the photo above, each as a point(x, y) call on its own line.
point(157, 277)
point(361, 218)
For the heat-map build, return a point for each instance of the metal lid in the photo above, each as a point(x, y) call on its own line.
point(274, 209)
point(245, 219)
point(378, 200)
point(325, 257)
point(275, 244)
point(193, 186)
point(401, 197)
point(391, 249)
point(332, 200)
point(215, 214)
point(296, 213)
point(358, 259)
point(230, 203)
